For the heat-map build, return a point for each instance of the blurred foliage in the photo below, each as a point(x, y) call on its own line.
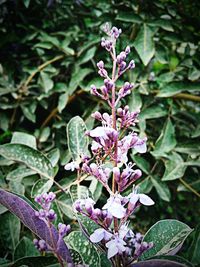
point(48, 54)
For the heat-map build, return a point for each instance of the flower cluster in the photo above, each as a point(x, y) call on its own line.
point(111, 142)
point(48, 215)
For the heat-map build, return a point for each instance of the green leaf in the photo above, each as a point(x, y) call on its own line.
point(39, 261)
point(62, 101)
point(32, 158)
point(88, 55)
point(19, 173)
point(79, 192)
point(167, 237)
point(153, 112)
point(29, 111)
point(87, 224)
point(194, 249)
point(45, 81)
point(174, 167)
point(54, 156)
point(77, 77)
point(9, 230)
point(25, 248)
point(76, 256)
point(40, 187)
point(145, 186)
point(24, 139)
point(175, 88)
point(166, 141)
point(95, 187)
point(27, 3)
point(65, 204)
point(142, 163)
point(79, 242)
point(135, 101)
point(44, 134)
point(144, 44)
point(129, 17)
point(76, 138)
point(162, 189)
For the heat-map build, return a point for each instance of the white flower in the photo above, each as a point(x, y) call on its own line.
point(100, 234)
point(142, 198)
point(115, 207)
point(71, 166)
point(115, 246)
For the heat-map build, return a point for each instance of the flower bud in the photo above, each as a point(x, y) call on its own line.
point(64, 229)
point(131, 64)
point(97, 115)
point(100, 64)
point(127, 50)
point(51, 215)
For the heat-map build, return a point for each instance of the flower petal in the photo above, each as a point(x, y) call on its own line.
point(145, 200)
point(97, 236)
point(112, 250)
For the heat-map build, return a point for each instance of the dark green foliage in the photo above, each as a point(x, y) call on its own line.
point(48, 52)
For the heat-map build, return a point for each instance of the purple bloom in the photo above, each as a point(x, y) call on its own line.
point(99, 235)
point(115, 246)
point(72, 166)
point(63, 229)
point(115, 206)
point(142, 198)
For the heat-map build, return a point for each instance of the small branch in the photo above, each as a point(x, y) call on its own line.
point(189, 187)
point(41, 67)
point(55, 110)
point(194, 98)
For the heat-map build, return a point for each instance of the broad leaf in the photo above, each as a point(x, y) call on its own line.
point(79, 242)
point(24, 139)
point(76, 138)
point(27, 215)
point(39, 261)
point(166, 141)
point(178, 87)
point(144, 44)
point(9, 230)
point(25, 248)
point(194, 250)
point(40, 187)
point(161, 188)
point(174, 167)
point(32, 158)
point(167, 237)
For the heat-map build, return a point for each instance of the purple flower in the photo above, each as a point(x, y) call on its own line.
point(71, 166)
point(141, 198)
point(99, 235)
point(115, 206)
point(63, 229)
point(115, 246)
point(115, 32)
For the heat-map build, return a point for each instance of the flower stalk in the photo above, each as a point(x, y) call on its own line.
point(111, 143)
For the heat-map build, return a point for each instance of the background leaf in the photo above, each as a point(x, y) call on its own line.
point(144, 44)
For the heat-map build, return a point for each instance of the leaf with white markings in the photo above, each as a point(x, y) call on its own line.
point(79, 242)
point(167, 237)
point(77, 140)
point(32, 158)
